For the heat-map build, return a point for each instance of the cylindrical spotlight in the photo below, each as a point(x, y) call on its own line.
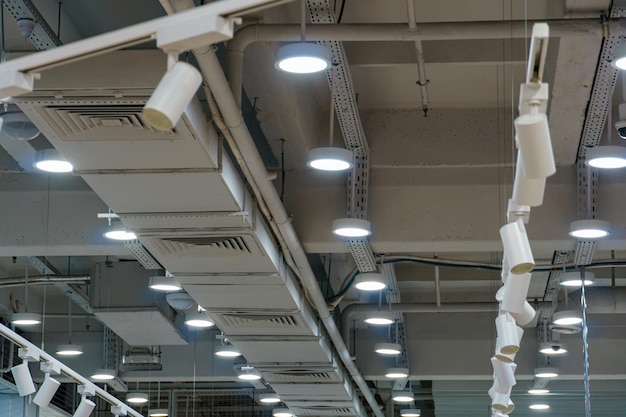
point(505, 375)
point(46, 391)
point(85, 408)
point(499, 401)
point(526, 316)
point(527, 191)
point(517, 248)
point(170, 98)
point(503, 357)
point(533, 140)
point(508, 337)
point(515, 292)
point(23, 380)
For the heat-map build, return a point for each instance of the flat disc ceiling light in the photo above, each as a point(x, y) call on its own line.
point(380, 318)
point(410, 412)
point(158, 412)
point(26, 319)
point(552, 348)
point(402, 396)
point(50, 160)
point(546, 372)
point(567, 317)
point(227, 351)
point(330, 159)
point(137, 398)
point(198, 319)
point(620, 57)
point(371, 281)
point(69, 350)
point(103, 374)
point(606, 157)
point(282, 412)
point(388, 348)
point(120, 234)
point(269, 398)
point(303, 58)
point(589, 229)
point(351, 227)
point(163, 283)
point(539, 406)
point(397, 373)
point(538, 391)
point(573, 279)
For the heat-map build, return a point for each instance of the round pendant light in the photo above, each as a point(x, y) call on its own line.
point(227, 351)
point(380, 318)
point(552, 348)
point(352, 227)
point(120, 234)
point(303, 58)
point(370, 281)
point(69, 350)
point(158, 412)
point(26, 319)
point(606, 157)
point(410, 412)
point(546, 372)
point(538, 391)
point(137, 398)
point(539, 406)
point(163, 283)
point(397, 373)
point(589, 229)
point(573, 279)
point(388, 348)
point(567, 317)
point(269, 398)
point(103, 374)
point(198, 319)
point(330, 159)
point(50, 160)
point(402, 396)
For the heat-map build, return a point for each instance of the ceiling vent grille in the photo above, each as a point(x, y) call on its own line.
point(101, 120)
point(262, 321)
point(212, 244)
point(301, 376)
point(323, 411)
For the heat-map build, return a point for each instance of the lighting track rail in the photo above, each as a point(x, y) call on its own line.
point(190, 29)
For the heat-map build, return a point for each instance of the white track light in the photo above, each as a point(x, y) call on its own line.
point(515, 293)
point(527, 191)
point(508, 334)
point(23, 380)
point(516, 247)
point(85, 408)
point(46, 391)
point(533, 140)
point(170, 98)
point(526, 316)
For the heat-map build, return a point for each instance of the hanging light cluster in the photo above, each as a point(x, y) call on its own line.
point(535, 163)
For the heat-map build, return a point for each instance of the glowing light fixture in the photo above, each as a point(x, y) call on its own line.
point(352, 227)
point(567, 317)
point(573, 279)
point(381, 318)
point(589, 229)
point(69, 350)
point(371, 281)
point(282, 412)
point(120, 234)
point(552, 348)
point(620, 57)
point(303, 58)
point(198, 319)
point(158, 412)
point(538, 391)
point(410, 412)
point(330, 159)
point(402, 396)
point(171, 96)
point(50, 160)
point(606, 157)
point(164, 283)
point(396, 373)
point(26, 319)
point(269, 398)
point(137, 398)
point(388, 348)
point(539, 406)
point(546, 372)
point(227, 351)
point(103, 374)
point(248, 373)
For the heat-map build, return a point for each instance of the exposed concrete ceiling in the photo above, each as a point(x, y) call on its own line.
point(438, 188)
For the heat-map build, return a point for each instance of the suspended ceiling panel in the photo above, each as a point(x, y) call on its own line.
point(272, 349)
point(141, 328)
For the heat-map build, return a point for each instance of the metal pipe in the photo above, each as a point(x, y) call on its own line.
point(231, 114)
point(396, 32)
point(437, 284)
point(422, 81)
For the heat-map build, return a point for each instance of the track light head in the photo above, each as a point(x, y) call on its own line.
point(23, 380)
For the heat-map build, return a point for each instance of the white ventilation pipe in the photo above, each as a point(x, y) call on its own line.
point(231, 113)
point(396, 32)
point(422, 81)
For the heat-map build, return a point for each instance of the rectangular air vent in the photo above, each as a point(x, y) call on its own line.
point(301, 377)
point(253, 324)
point(324, 411)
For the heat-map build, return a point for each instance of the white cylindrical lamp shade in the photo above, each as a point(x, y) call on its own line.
point(171, 96)
point(23, 380)
point(505, 375)
point(533, 140)
point(46, 391)
point(515, 292)
point(85, 408)
point(517, 247)
point(508, 336)
point(526, 316)
point(500, 402)
point(527, 191)
point(503, 357)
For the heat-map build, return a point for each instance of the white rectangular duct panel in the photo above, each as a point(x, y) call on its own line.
point(274, 349)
